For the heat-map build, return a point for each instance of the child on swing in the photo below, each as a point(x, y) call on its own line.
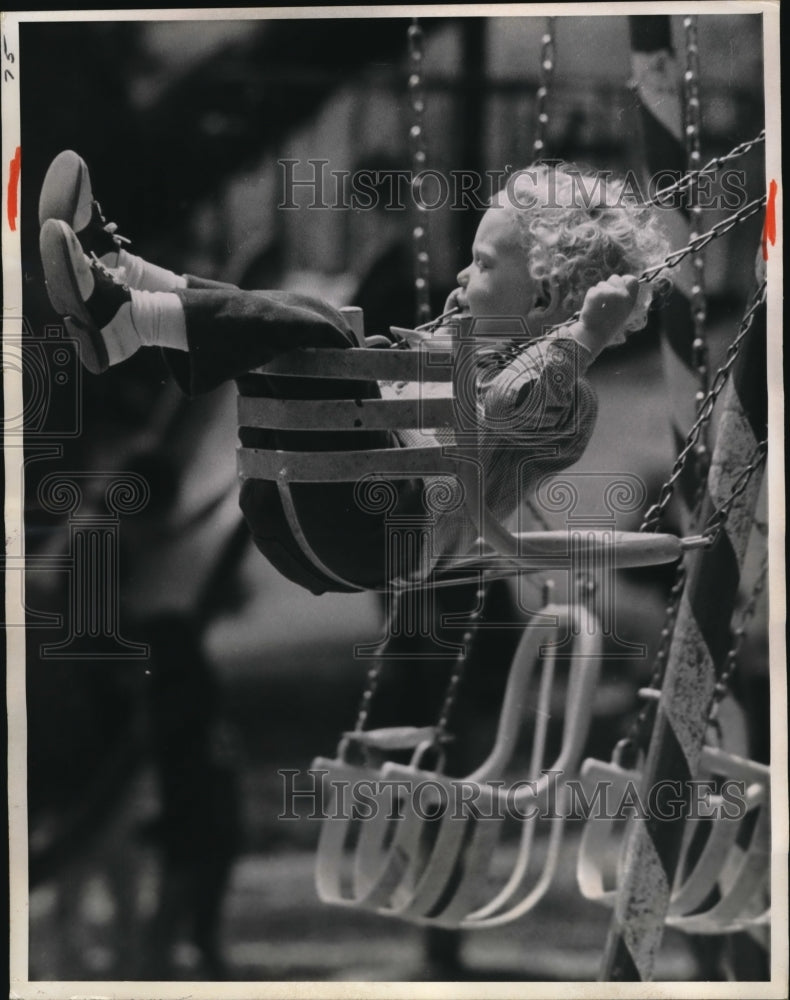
point(543, 251)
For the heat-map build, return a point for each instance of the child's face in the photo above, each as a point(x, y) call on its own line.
point(497, 282)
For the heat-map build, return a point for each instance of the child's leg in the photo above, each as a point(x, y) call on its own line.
point(223, 331)
point(218, 333)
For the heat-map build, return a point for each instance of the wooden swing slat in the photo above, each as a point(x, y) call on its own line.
point(341, 466)
point(362, 363)
point(346, 414)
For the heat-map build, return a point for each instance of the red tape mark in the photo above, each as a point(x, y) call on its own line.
point(13, 188)
point(769, 226)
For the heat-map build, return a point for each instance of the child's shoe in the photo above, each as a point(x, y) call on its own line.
point(95, 305)
point(66, 194)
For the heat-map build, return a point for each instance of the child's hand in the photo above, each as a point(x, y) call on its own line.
point(455, 300)
point(605, 312)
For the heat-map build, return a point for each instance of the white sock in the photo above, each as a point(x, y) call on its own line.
point(141, 274)
point(120, 335)
point(158, 319)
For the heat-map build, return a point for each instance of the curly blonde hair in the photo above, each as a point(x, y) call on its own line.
point(591, 227)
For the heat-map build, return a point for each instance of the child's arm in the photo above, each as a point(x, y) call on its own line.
point(604, 314)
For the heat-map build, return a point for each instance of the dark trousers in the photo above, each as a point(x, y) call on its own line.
point(230, 332)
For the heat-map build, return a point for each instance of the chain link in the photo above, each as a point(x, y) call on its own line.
point(655, 513)
point(673, 259)
point(548, 56)
point(718, 519)
point(711, 167)
point(373, 675)
point(698, 302)
point(418, 161)
point(459, 668)
point(627, 750)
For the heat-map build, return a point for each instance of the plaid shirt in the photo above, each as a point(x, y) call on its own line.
point(536, 414)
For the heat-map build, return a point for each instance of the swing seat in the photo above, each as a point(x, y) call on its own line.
point(424, 849)
point(723, 876)
point(504, 553)
point(427, 864)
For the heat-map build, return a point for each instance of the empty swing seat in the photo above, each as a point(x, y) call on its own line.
point(723, 877)
point(424, 846)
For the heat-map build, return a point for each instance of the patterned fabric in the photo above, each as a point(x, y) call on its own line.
point(536, 412)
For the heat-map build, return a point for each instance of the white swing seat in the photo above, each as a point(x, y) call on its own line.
point(721, 886)
point(425, 851)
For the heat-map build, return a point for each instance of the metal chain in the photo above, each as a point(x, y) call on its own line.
point(711, 167)
point(547, 63)
point(373, 675)
point(673, 259)
point(627, 750)
point(723, 683)
point(718, 518)
point(698, 303)
point(453, 685)
point(418, 160)
point(655, 513)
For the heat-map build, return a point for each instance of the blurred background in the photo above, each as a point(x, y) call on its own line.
point(155, 739)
